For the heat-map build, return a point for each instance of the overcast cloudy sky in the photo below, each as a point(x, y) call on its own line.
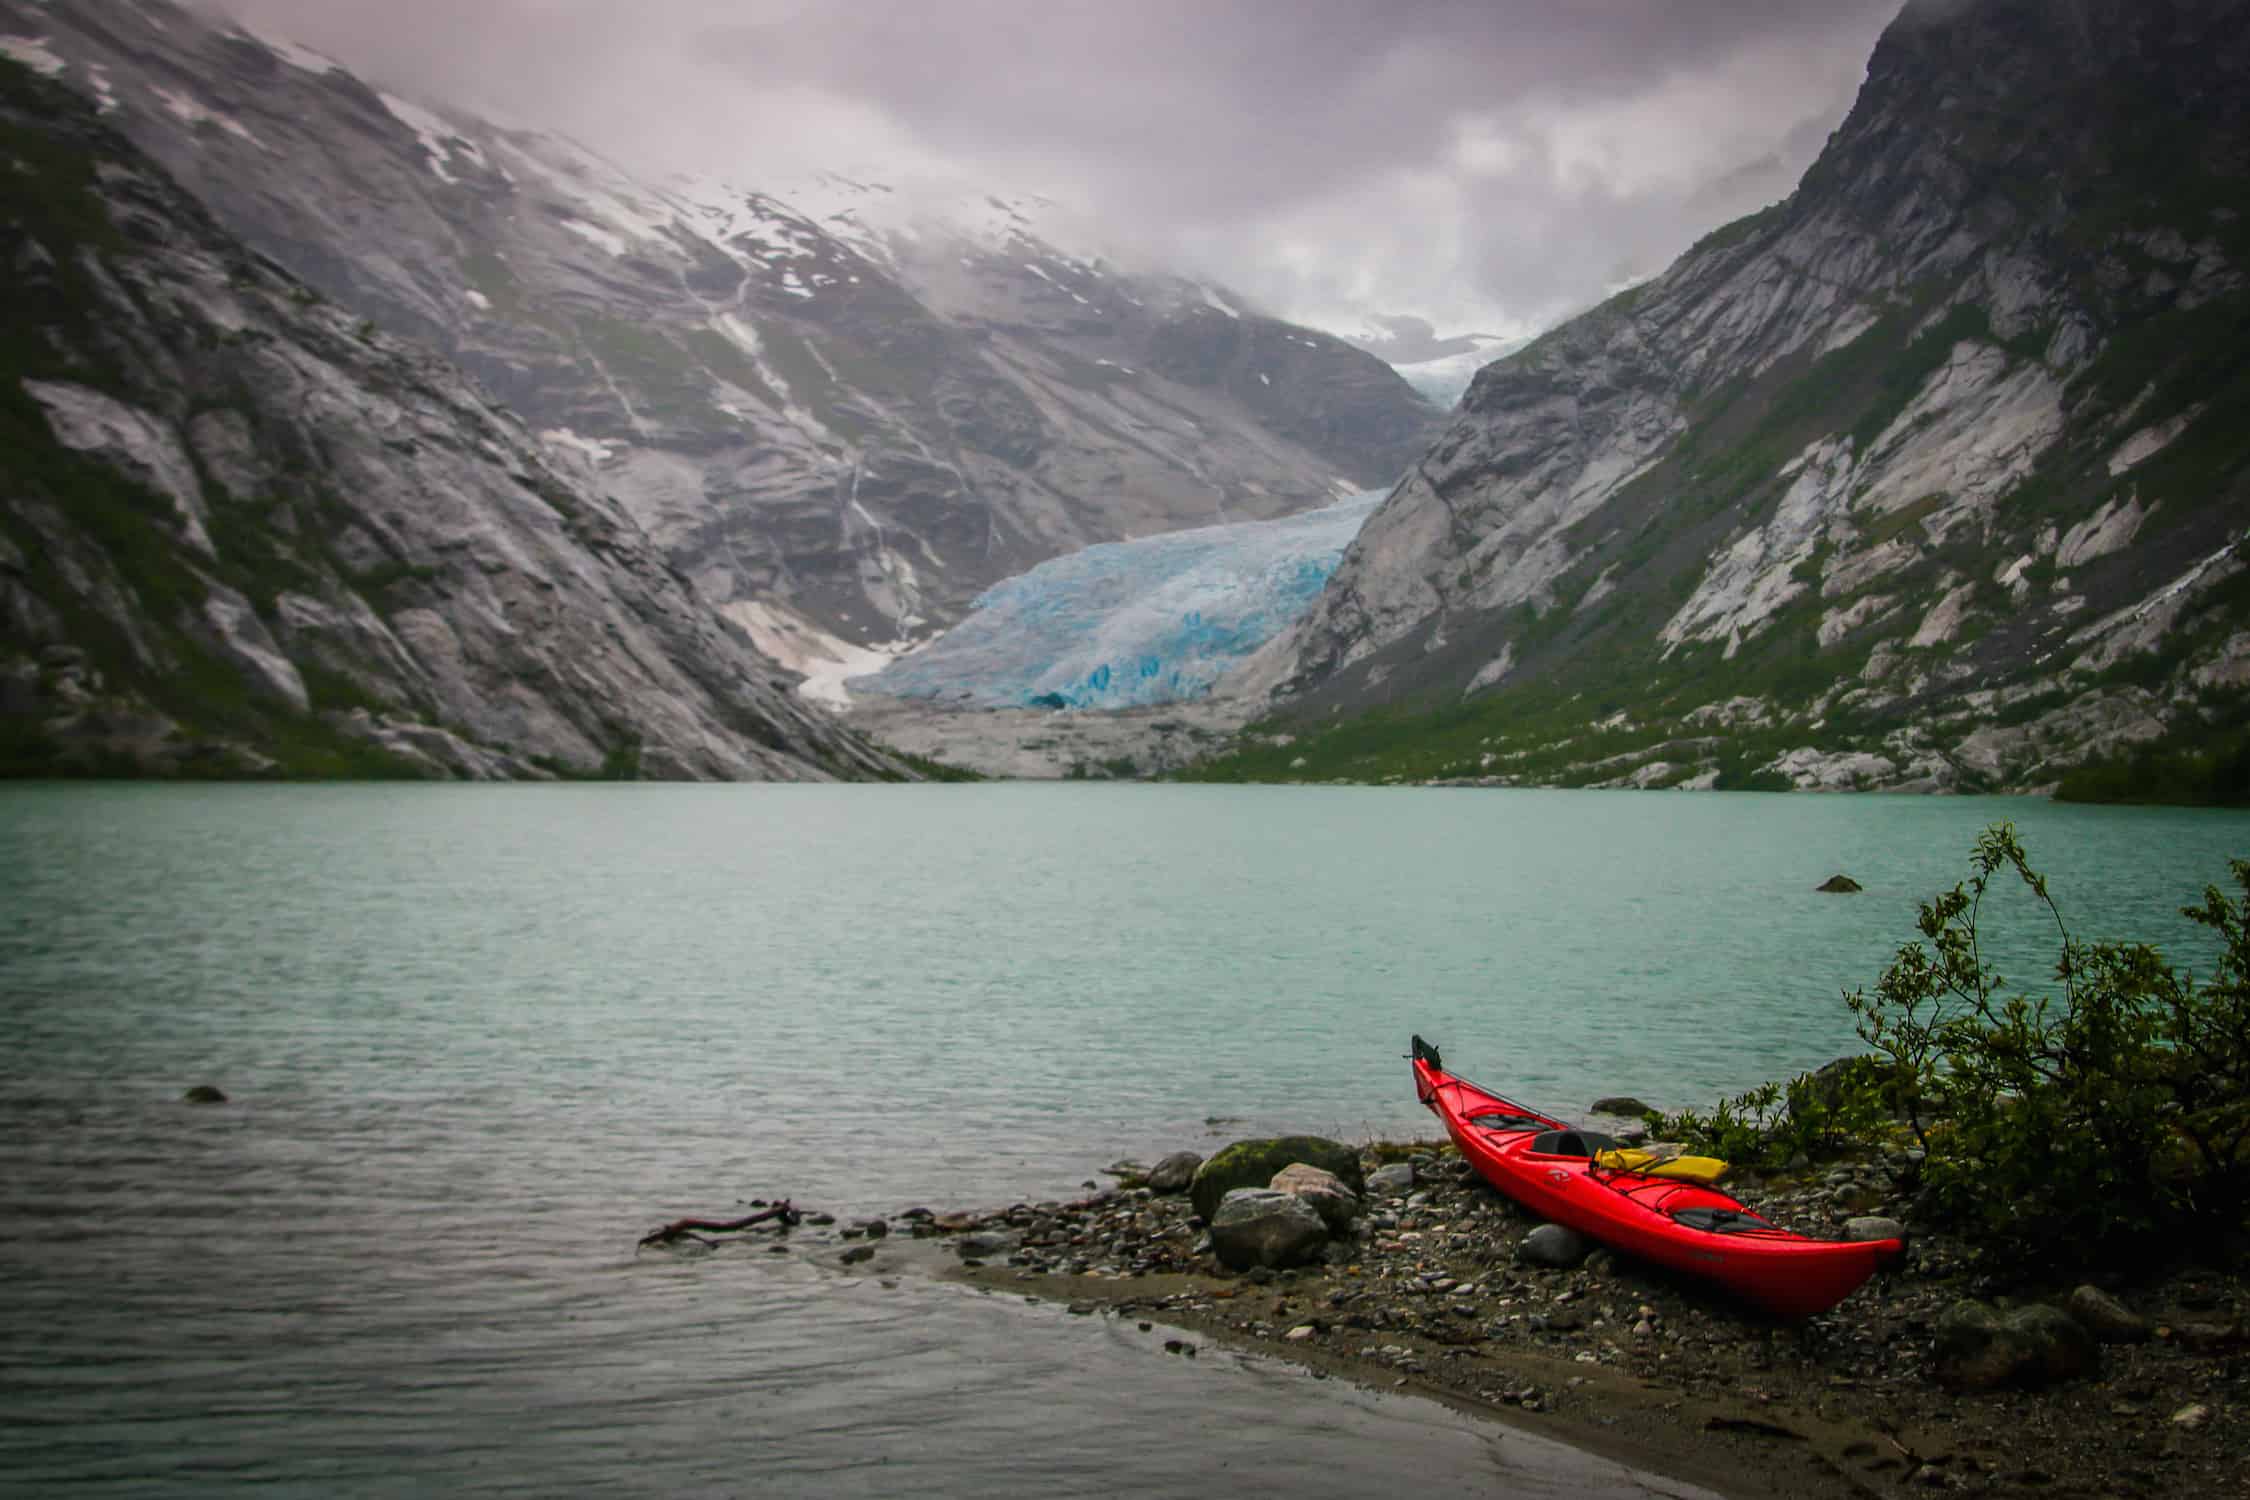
point(1482, 164)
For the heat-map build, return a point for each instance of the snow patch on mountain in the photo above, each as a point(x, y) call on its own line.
point(32, 52)
point(190, 111)
point(1128, 624)
point(824, 660)
point(290, 52)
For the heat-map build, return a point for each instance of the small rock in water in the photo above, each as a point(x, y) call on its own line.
point(1620, 1104)
point(858, 1253)
point(204, 1093)
point(1839, 885)
point(984, 1242)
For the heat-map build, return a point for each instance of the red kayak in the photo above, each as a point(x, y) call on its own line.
point(1560, 1174)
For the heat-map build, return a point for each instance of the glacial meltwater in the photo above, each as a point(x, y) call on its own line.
point(478, 1040)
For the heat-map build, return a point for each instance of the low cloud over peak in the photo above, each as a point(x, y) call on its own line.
point(1485, 163)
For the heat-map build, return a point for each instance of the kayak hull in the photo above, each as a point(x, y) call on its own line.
point(1787, 1274)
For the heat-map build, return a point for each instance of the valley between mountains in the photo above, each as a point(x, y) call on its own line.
point(358, 434)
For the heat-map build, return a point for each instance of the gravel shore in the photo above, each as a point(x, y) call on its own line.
point(1425, 1294)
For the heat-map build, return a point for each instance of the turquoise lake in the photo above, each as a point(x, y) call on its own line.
point(478, 1039)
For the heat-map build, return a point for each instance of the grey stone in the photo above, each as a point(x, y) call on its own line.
point(1979, 1349)
point(204, 1093)
point(1262, 1227)
point(1840, 885)
point(1336, 1204)
point(1392, 1181)
point(1252, 1163)
point(1174, 1172)
point(2107, 1319)
point(1620, 1104)
point(1556, 1246)
point(1873, 1227)
point(986, 1242)
point(858, 1253)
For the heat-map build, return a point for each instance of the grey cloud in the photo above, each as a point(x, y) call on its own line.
point(1309, 152)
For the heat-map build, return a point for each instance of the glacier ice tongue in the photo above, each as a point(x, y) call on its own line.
point(1131, 624)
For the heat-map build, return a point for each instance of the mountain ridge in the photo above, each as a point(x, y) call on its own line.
point(843, 442)
point(244, 533)
point(1955, 429)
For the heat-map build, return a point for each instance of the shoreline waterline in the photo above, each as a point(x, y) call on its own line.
point(477, 1040)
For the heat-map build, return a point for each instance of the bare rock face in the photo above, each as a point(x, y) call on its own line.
point(246, 533)
point(841, 422)
point(1929, 472)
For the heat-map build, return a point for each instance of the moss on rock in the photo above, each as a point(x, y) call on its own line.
point(1253, 1164)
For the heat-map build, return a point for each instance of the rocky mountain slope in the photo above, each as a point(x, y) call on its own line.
point(243, 531)
point(843, 419)
point(1933, 474)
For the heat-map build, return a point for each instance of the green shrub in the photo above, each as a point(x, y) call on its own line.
point(1815, 1114)
point(2076, 1119)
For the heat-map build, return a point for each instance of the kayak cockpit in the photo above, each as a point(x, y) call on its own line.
point(1584, 1143)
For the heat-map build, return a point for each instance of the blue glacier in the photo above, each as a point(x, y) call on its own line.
point(1130, 624)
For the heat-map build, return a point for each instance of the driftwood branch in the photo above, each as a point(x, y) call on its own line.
point(780, 1213)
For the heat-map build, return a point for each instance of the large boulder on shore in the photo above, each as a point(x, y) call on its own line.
point(1174, 1172)
point(1266, 1227)
point(1336, 1204)
point(1981, 1349)
point(1251, 1164)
